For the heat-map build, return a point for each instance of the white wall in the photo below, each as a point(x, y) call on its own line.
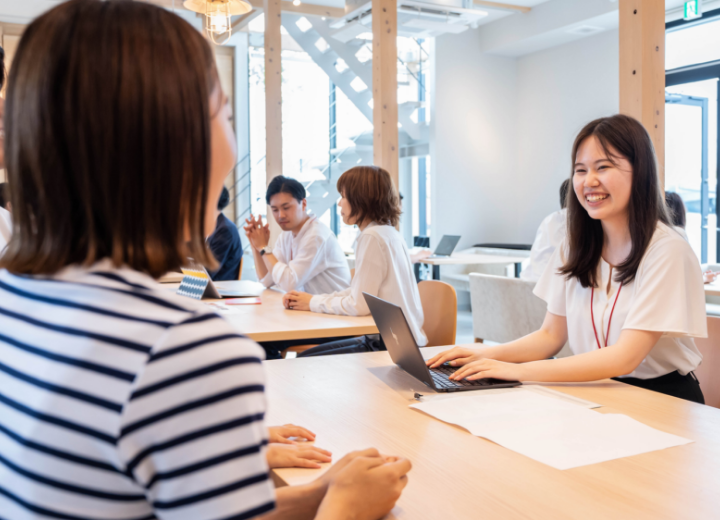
point(502, 129)
point(559, 91)
point(473, 131)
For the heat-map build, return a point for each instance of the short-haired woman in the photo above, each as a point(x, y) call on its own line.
point(119, 399)
point(625, 289)
point(382, 263)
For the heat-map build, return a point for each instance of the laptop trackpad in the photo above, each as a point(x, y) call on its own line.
point(400, 381)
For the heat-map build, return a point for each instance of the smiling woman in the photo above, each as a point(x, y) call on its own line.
point(625, 289)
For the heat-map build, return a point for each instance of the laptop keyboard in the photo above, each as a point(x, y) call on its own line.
point(441, 374)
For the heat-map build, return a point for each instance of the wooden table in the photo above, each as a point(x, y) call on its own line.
point(271, 321)
point(712, 289)
point(474, 258)
point(357, 401)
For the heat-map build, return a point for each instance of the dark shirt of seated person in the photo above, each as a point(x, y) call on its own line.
point(225, 243)
point(121, 399)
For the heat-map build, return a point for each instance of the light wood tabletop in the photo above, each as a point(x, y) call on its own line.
point(712, 289)
point(271, 321)
point(357, 401)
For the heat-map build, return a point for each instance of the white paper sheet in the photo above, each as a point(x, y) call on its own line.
point(557, 433)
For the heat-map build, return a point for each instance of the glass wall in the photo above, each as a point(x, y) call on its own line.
point(691, 127)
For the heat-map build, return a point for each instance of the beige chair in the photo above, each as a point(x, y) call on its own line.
point(708, 373)
point(242, 259)
point(439, 303)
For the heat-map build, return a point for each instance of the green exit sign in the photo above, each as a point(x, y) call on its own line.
point(693, 9)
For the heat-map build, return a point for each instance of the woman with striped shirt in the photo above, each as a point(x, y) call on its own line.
point(119, 400)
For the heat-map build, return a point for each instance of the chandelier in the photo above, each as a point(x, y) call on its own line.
point(218, 15)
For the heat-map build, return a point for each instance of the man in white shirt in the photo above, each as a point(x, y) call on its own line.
point(307, 256)
point(549, 235)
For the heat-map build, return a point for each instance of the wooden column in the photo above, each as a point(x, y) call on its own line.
point(642, 68)
point(384, 76)
point(273, 97)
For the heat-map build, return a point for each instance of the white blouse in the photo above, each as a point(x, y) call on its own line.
point(5, 228)
point(383, 269)
point(549, 236)
point(665, 296)
point(312, 261)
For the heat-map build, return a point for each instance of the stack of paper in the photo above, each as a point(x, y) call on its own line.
point(555, 432)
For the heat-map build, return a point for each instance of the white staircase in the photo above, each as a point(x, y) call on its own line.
point(339, 60)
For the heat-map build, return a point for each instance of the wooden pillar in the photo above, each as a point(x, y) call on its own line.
point(384, 77)
point(642, 69)
point(273, 96)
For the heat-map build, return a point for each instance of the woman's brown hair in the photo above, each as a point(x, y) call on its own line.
point(108, 139)
point(371, 194)
point(624, 136)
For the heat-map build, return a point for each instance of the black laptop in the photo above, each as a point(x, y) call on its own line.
point(405, 353)
point(446, 246)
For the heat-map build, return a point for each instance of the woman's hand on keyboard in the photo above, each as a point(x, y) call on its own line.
point(456, 357)
point(489, 368)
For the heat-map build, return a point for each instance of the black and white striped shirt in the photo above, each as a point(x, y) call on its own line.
point(120, 400)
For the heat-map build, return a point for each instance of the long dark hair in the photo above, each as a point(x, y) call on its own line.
point(108, 139)
point(624, 136)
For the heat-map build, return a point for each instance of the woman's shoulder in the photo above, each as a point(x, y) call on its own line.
point(667, 244)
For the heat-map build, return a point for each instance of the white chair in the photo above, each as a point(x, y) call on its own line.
point(505, 309)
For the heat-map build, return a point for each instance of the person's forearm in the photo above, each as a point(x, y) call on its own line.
point(296, 502)
point(540, 344)
point(269, 262)
point(262, 271)
point(590, 366)
point(616, 360)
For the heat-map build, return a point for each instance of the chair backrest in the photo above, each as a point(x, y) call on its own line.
point(707, 372)
point(352, 273)
point(504, 309)
point(242, 259)
point(439, 304)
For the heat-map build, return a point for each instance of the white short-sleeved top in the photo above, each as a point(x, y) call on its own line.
point(5, 228)
point(549, 236)
point(665, 296)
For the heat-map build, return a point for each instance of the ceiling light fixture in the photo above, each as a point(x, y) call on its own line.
point(218, 14)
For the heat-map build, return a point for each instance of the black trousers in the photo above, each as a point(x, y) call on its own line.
point(273, 349)
point(370, 343)
point(685, 387)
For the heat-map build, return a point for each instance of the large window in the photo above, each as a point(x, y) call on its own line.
point(325, 132)
point(691, 127)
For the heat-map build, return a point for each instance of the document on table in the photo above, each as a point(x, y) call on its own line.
point(555, 432)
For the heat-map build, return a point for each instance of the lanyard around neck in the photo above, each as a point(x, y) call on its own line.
point(592, 316)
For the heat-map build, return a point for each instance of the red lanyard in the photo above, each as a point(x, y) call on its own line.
point(592, 316)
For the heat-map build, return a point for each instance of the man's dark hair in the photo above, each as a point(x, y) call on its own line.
point(564, 187)
point(4, 195)
point(224, 199)
point(287, 185)
point(101, 98)
point(676, 208)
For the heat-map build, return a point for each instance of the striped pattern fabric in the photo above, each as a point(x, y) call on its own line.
point(120, 400)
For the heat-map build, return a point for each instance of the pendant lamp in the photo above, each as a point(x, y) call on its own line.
point(218, 15)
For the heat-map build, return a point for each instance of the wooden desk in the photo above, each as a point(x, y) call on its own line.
point(472, 259)
point(712, 289)
point(356, 401)
point(270, 321)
